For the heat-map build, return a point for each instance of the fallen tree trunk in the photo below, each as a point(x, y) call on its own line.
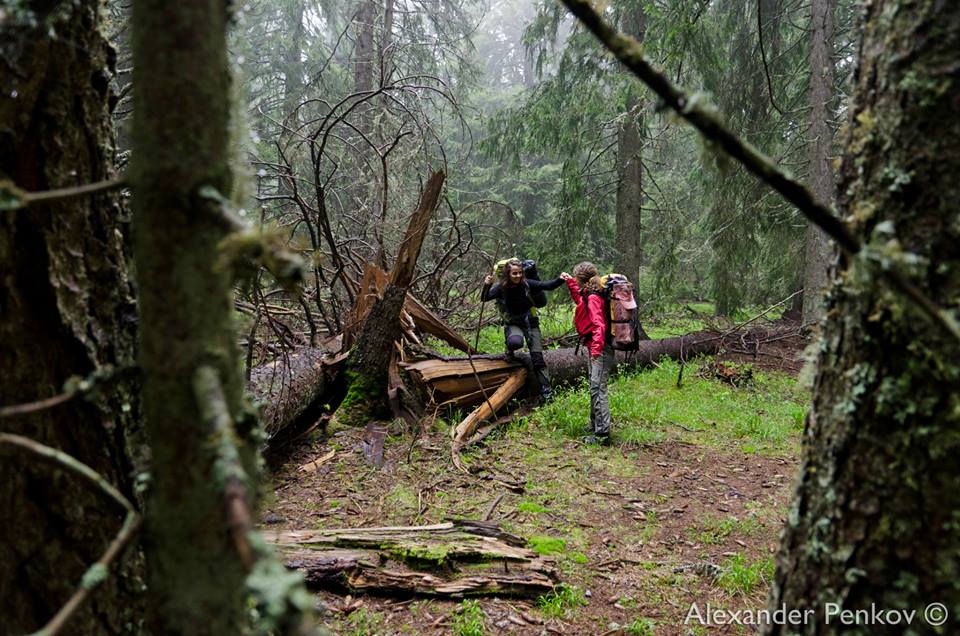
point(450, 559)
point(290, 385)
point(487, 408)
point(289, 388)
point(453, 381)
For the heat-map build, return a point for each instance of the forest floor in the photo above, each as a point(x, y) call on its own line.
point(697, 477)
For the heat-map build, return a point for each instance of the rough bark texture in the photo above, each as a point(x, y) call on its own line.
point(182, 88)
point(817, 246)
point(291, 386)
point(629, 219)
point(876, 519)
point(66, 308)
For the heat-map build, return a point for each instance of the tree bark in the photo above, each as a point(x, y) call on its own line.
point(181, 124)
point(629, 215)
point(817, 245)
point(876, 517)
point(66, 309)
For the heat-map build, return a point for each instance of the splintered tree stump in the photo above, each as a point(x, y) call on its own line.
point(450, 559)
point(370, 356)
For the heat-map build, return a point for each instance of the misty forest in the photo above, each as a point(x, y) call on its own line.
point(479, 317)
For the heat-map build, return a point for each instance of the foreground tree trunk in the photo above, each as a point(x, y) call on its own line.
point(182, 88)
point(817, 246)
point(876, 519)
point(66, 309)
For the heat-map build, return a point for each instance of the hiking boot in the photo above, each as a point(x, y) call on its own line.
point(596, 440)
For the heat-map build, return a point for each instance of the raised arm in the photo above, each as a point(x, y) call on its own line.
point(546, 285)
point(489, 292)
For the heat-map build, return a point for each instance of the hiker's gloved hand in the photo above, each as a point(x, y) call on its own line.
point(488, 280)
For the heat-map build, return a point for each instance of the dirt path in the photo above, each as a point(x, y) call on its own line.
point(637, 531)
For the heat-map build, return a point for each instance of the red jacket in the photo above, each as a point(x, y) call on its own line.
point(588, 318)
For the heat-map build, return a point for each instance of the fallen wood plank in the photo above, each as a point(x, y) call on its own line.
point(487, 408)
point(490, 406)
point(312, 466)
point(459, 367)
point(460, 385)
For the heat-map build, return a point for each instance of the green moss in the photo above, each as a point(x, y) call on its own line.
point(363, 401)
point(530, 506)
point(434, 556)
point(547, 545)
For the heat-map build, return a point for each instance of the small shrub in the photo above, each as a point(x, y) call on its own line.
point(561, 601)
point(640, 627)
point(469, 620)
point(738, 576)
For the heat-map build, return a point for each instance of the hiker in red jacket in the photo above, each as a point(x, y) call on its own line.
point(591, 323)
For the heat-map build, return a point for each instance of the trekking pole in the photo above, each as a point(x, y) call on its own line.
point(476, 338)
point(476, 342)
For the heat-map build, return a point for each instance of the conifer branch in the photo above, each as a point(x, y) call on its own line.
point(701, 115)
point(13, 198)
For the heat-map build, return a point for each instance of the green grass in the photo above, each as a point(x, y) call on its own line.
point(716, 531)
point(641, 627)
point(647, 405)
point(740, 577)
point(562, 601)
point(530, 506)
point(469, 620)
point(546, 546)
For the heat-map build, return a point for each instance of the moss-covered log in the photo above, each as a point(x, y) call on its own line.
point(450, 559)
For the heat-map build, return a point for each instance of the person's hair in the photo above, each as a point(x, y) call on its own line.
point(584, 271)
point(505, 274)
point(592, 285)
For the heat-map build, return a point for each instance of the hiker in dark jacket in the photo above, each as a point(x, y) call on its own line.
point(519, 314)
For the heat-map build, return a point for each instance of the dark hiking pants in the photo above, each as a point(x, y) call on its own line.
point(514, 335)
